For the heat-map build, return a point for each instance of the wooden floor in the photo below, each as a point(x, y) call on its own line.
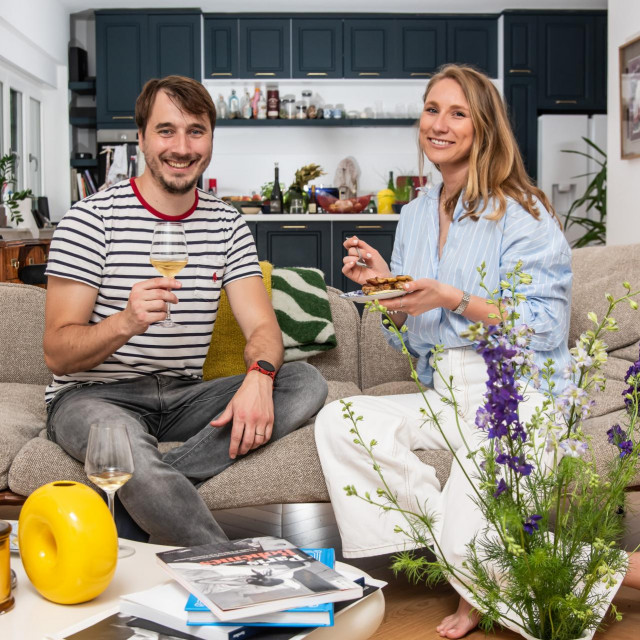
point(414, 611)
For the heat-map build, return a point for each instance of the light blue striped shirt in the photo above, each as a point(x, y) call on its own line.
point(541, 246)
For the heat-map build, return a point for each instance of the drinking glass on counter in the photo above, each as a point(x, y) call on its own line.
point(169, 255)
point(109, 464)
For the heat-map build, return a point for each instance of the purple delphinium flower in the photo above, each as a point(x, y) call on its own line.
point(626, 448)
point(501, 488)
point(531, 523)
point(615, 434)
point(634, 370)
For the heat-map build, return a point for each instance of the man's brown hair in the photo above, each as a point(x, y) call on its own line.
point(187, 94)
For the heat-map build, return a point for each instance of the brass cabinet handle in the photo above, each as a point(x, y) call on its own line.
point(421, 74)
point(368, 226)
point(520, 71)
point(293, 226)
point(220, 73)
point(30, 261)
point(15, 263)
point(265, 73)
point(369, 73)
point(317, 73)
point(122, 117)
point(566, 102)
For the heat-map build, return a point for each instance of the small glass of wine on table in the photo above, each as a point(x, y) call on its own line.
point(169, 255)
point(109, 464)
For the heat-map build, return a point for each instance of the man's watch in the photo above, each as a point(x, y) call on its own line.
point(264, 367)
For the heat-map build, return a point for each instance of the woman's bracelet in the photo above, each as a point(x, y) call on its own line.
point(464, 303)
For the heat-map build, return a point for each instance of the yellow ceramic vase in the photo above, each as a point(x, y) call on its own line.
point(68, 542)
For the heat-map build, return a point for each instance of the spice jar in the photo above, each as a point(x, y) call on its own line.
point(328, 111)
point(6, 599)
point(288, 107)
point(301, 110)
point(273, 104)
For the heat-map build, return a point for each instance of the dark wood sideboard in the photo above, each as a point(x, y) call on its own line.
point(15, 254)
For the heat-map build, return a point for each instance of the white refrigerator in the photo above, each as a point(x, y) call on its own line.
point(557, 171)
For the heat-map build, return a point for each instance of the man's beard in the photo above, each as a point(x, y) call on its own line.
point(174, 188)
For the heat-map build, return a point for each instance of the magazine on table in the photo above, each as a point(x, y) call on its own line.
point(319, 615)
point(249, 577)
point(164, 605)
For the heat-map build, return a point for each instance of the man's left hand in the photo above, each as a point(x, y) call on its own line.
point(251, 410)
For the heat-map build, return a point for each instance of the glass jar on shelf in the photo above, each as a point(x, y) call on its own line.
point(288, 107)
point(301, 110)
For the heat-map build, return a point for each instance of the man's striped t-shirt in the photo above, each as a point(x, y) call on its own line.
point(104, 241)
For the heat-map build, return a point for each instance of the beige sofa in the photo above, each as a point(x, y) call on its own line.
point(288, 471)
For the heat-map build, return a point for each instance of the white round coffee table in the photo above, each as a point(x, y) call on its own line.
point(33, 617)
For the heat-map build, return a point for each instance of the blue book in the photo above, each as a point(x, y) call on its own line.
point(319, 615)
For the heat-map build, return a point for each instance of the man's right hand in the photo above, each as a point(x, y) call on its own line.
point(148, 303)
point(376, 265)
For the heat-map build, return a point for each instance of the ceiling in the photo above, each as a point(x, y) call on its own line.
point(337, 6)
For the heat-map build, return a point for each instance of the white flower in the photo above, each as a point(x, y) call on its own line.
point(574, 448)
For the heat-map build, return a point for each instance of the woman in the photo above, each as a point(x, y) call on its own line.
point(486, 210)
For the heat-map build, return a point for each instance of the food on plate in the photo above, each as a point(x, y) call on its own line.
point(375, 285)
point(348, 205)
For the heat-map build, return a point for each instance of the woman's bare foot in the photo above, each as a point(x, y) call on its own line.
point(460, 623)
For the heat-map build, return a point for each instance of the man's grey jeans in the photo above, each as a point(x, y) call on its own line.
point(161, 496)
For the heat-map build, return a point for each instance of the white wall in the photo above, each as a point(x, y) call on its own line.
point(34, 37)
point(623, 204)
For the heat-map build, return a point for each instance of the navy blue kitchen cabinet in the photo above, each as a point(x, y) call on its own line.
point(135, 46)
point(566, 46)
point(370, 48)
point(423, 47)
point(316, 48)
point(121, 46)
point(520, 45)
point(265, 48)
point(474, 41)
point(377, 234)
point(220, 48)
point(520, 94)
point(174, 45)
point(295, 244)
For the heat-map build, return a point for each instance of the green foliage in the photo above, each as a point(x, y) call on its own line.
point(548, 577)
point(595, 199)
point(8, 177)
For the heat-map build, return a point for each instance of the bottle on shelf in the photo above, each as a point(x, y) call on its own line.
point(221, 108)
point(245, 107)
point(275, 204)
point(213, 187)
point(390, 184)
point(262, 107)
point(234, 105)
point(312, 207)
point(273, 103)
point(254, 102)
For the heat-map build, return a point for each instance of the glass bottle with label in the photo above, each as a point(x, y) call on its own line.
point(273, 103)
point(275, 204)
point(312, 207)
point(234, 105)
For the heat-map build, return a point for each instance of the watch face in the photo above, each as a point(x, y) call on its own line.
point(267, 366)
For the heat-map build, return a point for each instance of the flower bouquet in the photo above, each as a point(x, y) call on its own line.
point(547, 559)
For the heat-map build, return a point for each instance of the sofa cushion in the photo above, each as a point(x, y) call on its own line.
point(22, 417)
point(614, 370)
point(341, 363)
point(601, 270)
point(21, 331)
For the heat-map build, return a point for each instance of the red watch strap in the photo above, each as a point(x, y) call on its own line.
point(256, 367)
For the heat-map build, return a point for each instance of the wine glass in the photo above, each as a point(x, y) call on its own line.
point(109, 464)
point(169, 255)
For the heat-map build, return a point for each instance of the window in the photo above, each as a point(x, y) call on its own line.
point(34, 146)
point(15, 134)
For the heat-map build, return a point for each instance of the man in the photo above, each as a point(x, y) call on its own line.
point(113, 364)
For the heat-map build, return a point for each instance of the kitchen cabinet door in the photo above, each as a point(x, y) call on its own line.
point(370, 48)
point(601, 63)
point(121, 66)
point(220, 48)
point(265, 48)
point(296, 244)
point(566, 45)
point(423, 47)
point(520, 93)
point(380, 235)
point(174, 45)
point(316, 48)
point(474, 41)
point(520, 41)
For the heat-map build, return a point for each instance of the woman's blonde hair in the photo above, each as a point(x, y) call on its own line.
point(496, 169)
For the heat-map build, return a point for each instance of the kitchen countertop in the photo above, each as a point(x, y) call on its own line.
point(322, 217)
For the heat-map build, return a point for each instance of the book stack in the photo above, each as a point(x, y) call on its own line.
point(82, 184)
point(236, 589)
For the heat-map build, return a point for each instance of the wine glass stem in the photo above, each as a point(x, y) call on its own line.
point(168, 318)
point(110, 500)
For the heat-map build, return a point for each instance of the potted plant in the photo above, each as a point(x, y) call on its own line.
point(11, 198)
point(548, 554)
point(297, 189)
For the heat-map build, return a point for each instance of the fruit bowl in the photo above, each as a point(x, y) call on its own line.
point(349, 205)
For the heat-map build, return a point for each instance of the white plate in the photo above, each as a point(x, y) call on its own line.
point(358, 296)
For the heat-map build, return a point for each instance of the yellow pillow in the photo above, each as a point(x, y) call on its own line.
point(226, 349)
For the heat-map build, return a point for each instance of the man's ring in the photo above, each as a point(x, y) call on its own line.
point(260, 434)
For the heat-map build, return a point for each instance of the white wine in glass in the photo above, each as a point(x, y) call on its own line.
point(109, 464)
point(169, 255)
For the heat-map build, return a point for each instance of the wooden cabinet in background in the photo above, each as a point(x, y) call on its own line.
point(15, 254)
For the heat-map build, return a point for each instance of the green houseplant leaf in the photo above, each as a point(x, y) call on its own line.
point(8, 178)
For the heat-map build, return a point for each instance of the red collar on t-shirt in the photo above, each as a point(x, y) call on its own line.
point(157, 213)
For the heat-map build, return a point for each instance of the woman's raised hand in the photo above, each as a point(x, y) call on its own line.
point(375, 264)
